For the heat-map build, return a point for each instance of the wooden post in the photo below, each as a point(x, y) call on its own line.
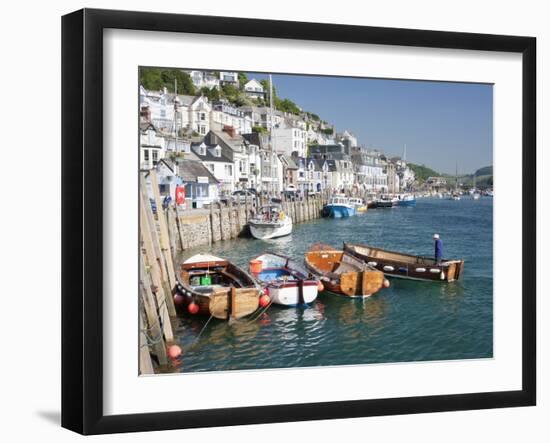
point(163, 229)
point(145, 363)
point(212, 221)
point(155, 317)
point(222, 237)
point(233, 301)
point(153, 253)
point(246, 210)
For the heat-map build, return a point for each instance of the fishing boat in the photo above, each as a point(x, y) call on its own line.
point(270, 222)
point(406, 200)
point(412, 267)
point(359, 204)
point(213, 286)
point(342, 273)
point(474, 193)
point(386, 201)
point(338, 207)
point(287, 282)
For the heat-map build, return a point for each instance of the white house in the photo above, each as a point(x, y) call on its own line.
point(229, 77)
point(220, 166)
point(203, 79)
point(289, 139)
point(254, 89)
point(225, 114)
point(151, 147)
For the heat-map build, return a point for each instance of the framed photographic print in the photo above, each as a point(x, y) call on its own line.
point(271, 221)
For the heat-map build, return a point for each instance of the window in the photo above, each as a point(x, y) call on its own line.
point(202, 130)
point(163, 113)
point(228, 169)
point(203, 116)
point(211, 167)
point(146, 155)
point(155, 157)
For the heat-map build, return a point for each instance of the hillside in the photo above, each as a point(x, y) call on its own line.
point(422, 172)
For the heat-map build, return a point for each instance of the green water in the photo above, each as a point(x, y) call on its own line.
point(410, 321)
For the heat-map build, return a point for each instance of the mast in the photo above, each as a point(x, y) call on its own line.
point(176, 115)
point(273, 170)
point(456, 177)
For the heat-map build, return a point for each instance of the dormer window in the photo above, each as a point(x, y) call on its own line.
point(218, 151)
point(202, 150)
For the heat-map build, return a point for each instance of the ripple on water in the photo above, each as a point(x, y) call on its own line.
point(410, 321)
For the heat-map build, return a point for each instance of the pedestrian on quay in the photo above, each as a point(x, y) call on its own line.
point(438, 249)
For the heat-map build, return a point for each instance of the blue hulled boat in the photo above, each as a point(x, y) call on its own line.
point(406, 200)
point(338, 207)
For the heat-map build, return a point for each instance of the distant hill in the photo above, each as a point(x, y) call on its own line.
point(422, 172)
point(487, 170)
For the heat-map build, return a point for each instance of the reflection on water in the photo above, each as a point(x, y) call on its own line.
point(410, 321)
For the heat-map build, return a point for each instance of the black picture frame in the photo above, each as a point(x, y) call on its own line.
point(82, 218)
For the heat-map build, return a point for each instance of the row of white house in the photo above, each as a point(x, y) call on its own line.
point(232, 161)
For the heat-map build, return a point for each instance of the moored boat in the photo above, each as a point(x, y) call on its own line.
point(406, 200)
point(210, 285)
point(286, 281)
point(342, 273)
point(386, 201)
point(270, 222)
point(359, 204)
point(397, 264)
point(338, 207)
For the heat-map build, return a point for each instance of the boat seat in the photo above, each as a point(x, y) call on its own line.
point(233, 278)
point(344, 267)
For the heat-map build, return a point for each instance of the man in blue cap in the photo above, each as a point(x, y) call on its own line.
point(438, 249)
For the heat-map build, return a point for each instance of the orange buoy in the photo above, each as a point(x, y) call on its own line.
point(386, 283)
point(255, 266)
point(264, 300)
point(193, 308)
point(174, 351)
point(178, 299)
point(320, 286)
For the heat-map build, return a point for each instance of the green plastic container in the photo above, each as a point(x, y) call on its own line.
point(206, 280)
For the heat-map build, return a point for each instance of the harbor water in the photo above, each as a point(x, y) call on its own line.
point(410, 321)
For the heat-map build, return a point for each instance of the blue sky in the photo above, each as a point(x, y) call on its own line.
point(441, 123)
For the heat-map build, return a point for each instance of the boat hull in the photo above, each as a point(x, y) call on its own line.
point(344, 274)
point(286, 282)
point(217, 287)
point(266, 231)
point(397, 265)
point(407, 202)
point(291, 294)
point(338, 211)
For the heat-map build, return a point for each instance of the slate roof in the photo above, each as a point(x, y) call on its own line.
point(189, 170)
point(209, 156)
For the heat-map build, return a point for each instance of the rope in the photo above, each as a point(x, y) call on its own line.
point(200, 333)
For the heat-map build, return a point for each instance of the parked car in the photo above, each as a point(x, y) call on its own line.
point(239, 196)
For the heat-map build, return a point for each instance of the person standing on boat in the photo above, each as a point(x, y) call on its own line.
point(438, 249)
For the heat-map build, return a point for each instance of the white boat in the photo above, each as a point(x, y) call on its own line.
point(270, 222)
point(358, 203)
point(474, 193)
point(286, 281)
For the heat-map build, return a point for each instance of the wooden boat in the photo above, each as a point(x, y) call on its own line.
point(412, 267)
point(343, 273)
point(286, 282)
point(218, 287)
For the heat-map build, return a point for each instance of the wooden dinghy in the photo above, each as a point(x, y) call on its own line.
point(412, 267)
point(343, 273)
point(287, 282)
point(217, 287)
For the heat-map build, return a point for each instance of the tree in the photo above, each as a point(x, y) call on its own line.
point(212, 94)
point(159, 78)
point(286, 105)
point(243, 79)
